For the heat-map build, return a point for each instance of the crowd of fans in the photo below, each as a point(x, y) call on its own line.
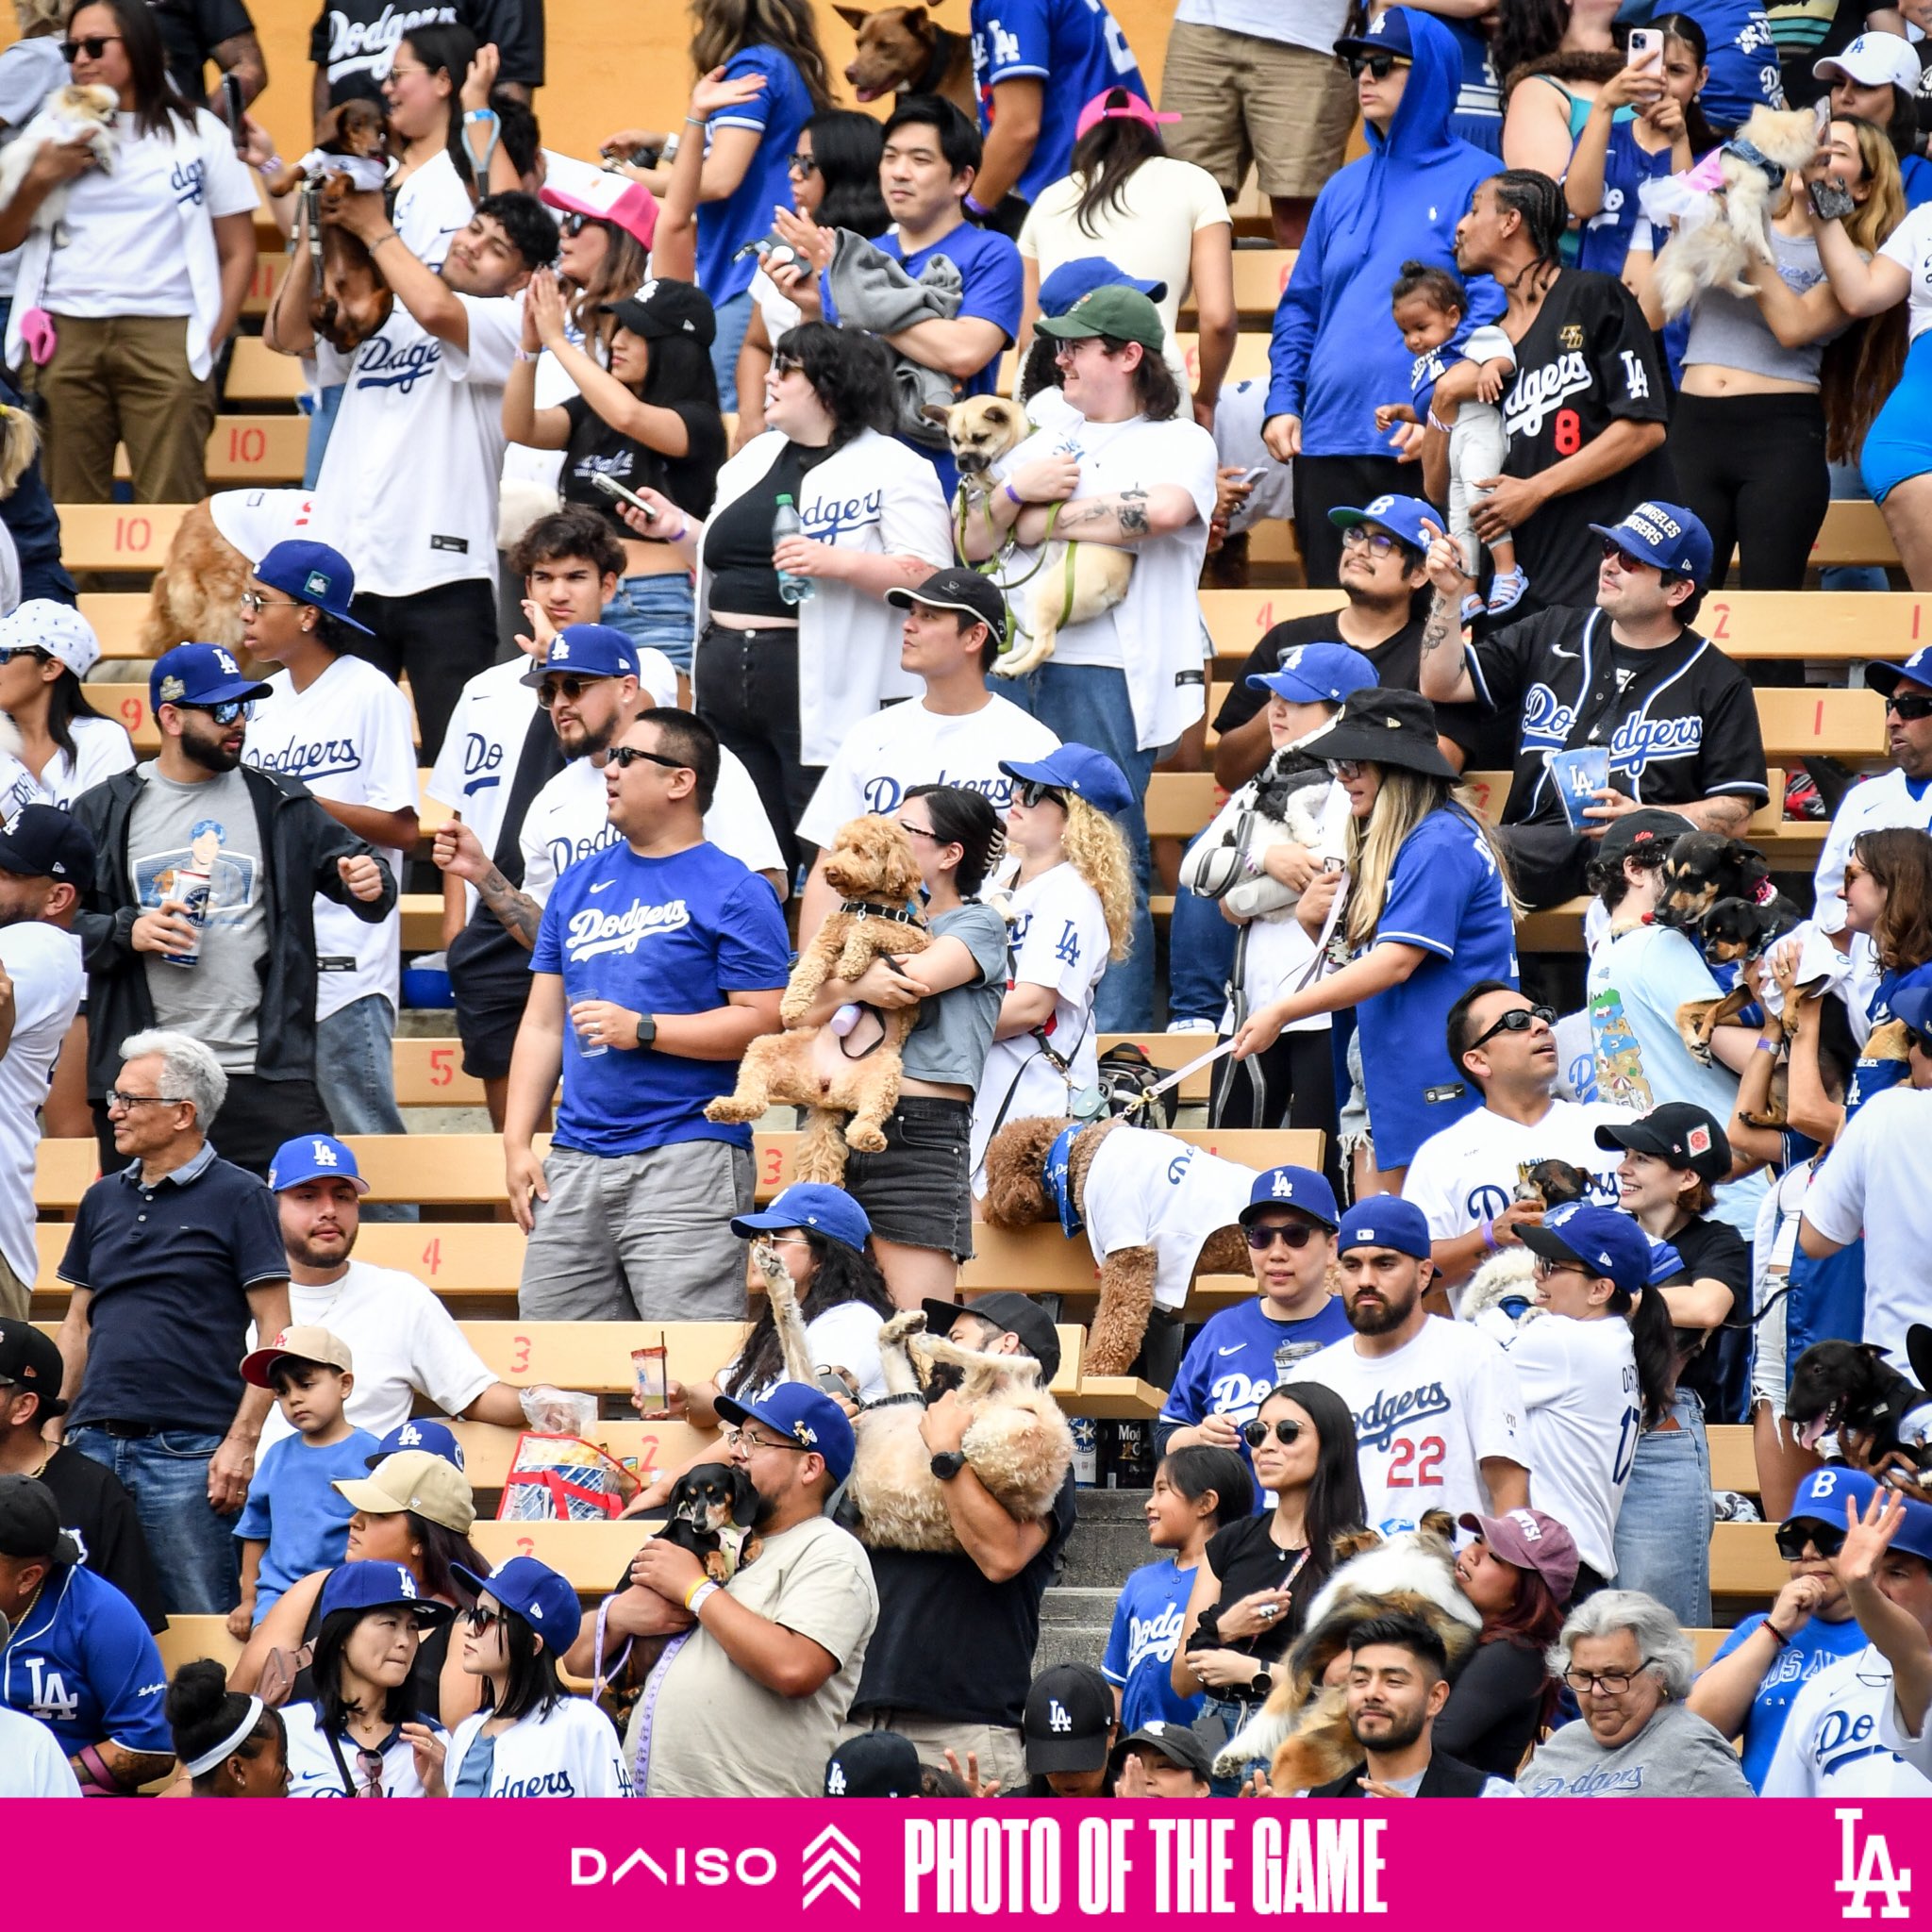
point(769, 556)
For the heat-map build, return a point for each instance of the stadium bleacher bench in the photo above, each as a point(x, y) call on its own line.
point(257, 374)
point(118, 536)
point(243, 450)
point(1260, 278)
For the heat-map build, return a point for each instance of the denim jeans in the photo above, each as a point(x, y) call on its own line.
point(734, 318)
point(1089, 704)
point(321, 421)
point(1663, 1529)
point(1200, 959)
point(658, 612)
point(1232, 1712)
point(354, 1067)
point(1848, 485)
point(195, 1552)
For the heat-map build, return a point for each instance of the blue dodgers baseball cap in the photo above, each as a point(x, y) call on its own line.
point(1820, 1497)
point(1666, 535)
point(1072, 279)
point(433, 1438)
point(1911, 1000)
point(379, 1587)
point(589, 650)
point(1300, 1188)
point(313, 573)
point(806, 1415)
point(826, 1210)
point(1317, 674)
point(1666, 1264)
point(314, 1158)
point(1385, 1221)
point(1401, 516)
point(1388, 33)
point(1917, 669)
point(1600, 1240)
point(1083, 772)
point(1914, 1535)
point(199, 675)
point(536, 1593)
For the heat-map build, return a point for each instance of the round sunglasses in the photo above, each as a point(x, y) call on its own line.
point(1287, 1433)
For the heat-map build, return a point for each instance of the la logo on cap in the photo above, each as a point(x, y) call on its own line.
point(1057, 1718)
point(406, 1584)
point(835, 1784)
point(560, 648)
point(1283, 1188)
point(1380, 25)
point(1292, 661)
point(226, 663)
point(324, 1154)
point(408, 1434)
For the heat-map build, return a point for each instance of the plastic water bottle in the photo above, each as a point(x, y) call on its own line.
point(791, 587)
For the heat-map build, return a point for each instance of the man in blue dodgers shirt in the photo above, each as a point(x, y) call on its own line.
point(80, 1658)
point(659, 959)
point(1242, 1353)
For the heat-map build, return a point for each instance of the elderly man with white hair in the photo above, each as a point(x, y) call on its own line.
point(1630, 1664)
point(172, 1258)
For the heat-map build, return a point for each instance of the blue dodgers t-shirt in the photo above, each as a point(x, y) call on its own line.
point(1815, 1645)
point(85, 1664)
point(1147, 1631)
point(1240, 1354)
point(775, 115)
point(1606, 239)
point(1744, 60)
point(658, 936)
point(1446, 895)
point(294, 1508)
point(1074, 46)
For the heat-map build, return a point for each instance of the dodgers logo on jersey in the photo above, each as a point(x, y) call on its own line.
point(594, 935)
point(1538, 391)
point(1239, 1396)
point(1640, 739)
point(825, 517)
point(482, 763)
point(1375, 1426)
point(1155, 1637)
point(323, 758)
point(384, 364)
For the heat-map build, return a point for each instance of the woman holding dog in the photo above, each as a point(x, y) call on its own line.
point(1428, 911)
point(1887, 895)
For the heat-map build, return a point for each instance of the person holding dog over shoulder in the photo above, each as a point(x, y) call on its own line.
point(1070, 911)
point(1240, 1354)
point(1427, 908)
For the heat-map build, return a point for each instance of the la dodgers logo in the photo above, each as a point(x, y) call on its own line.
point(1057, 1718)
point(323, 1154)
point(1540, 391)
point(1375, 1426)
point(594, 935)
point(1861, 1874)
point(383, 365)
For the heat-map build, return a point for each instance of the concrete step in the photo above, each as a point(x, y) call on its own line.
point(1074, 1626)
point(1109, 1540)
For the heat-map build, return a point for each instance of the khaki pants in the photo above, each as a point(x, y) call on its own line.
point(1001, 1751)
point(125, 379)
point(16, 1296)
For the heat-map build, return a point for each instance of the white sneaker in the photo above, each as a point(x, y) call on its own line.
point(1192, 1026)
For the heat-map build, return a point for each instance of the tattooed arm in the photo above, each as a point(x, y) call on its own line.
point(459, 853)
point(1122, 519)
point(1443, 674)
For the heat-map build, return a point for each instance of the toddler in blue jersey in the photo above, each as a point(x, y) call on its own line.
point(1196, 1492)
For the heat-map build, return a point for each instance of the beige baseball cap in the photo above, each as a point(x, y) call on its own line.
point(415, 1480)
point(297, 1345)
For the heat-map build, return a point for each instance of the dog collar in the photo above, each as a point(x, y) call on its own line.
point(865, 908)
point(935, 69)
point(1754, 156)
point(893, 1401)
point(1059, 1182)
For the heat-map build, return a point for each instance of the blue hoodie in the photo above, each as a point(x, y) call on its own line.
point(1336, 353)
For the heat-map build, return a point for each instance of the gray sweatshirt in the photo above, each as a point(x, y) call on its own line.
point(1676, 1755)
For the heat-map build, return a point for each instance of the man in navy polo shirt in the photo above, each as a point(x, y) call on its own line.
point(658, 960)
point(1241, 1353)
point(169, 1260)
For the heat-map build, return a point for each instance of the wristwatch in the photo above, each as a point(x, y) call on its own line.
point(1262, 1683)
point(946, 1465)
point(647, 1029)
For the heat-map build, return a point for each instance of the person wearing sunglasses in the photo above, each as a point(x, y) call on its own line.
point(530, 1737)
point(346, 1739)
point(1336, 354)
point(1748, 1687)
point(66, 746)
point(1240, 1354)
point(1257, 1579)
point(1466, 1177)
point(1888, 901)
point(1629, 1664)
point(269, 849)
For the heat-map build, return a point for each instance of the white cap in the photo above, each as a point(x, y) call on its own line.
point(59, 629)
point(1873, 60)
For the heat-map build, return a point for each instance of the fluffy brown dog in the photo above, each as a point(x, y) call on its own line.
point(870, 865)
point(1016, 1197)
point(1303, 1728)
point(904, 50)
point(196, 595)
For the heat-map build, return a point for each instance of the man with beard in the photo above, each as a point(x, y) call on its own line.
point(200, 915)
point(1437, 1415)
point(1398, 1682)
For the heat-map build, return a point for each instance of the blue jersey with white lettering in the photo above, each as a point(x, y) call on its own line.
point(1237, 1356)
point(1815, 1645)
point(775, 114)
point(657, 936)
point(1074, 48)
point(85, 1664)
point(1147, 1631)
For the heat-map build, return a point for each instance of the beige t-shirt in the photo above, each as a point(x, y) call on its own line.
point(717, 1732)
point(1149, 234)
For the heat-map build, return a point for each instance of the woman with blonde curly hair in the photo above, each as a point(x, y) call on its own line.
point(1071, 912)
point(1428, 911)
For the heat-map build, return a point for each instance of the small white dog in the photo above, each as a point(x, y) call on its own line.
point(67, 113)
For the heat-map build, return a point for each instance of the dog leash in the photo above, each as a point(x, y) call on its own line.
point(1012, 628)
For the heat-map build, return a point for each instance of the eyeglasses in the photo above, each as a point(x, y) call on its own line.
point(479, 1619)
point(119, 1099)
point(737, 1437)
point(371, 1762)
point(1379, 66)
point(92, 45)
point(801, 164)
point(1543, 1269)
point(254, 600)
point(569, 689)
point(625, 756)
point(1346, 768)
point(786, 365)
point(1517, 1019)
point(396, 72)
point(229, 711)
point(1605, 1683)
point(1911, 707)
point(1257, 1432)
point(1297, 1234)
point(1031, 792)
point(1794, 1538)
point(1378, 543)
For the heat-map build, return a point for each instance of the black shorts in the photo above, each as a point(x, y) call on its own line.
point(919, 1192)
point(489, 974)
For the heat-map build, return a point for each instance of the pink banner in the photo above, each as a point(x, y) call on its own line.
point(1719, 1866)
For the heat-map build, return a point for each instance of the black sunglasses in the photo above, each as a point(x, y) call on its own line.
point(1287, 1433)
point(227, 712)
point(1911, 707)
point(1822, 1537)
point(479, 1619)
point(801, 164)
point(1031, 792)
point(1379, 66)
point(1517, 1019)
point(1297, 1234)
point(92, 45)
point(569, 689)
point(625, 756)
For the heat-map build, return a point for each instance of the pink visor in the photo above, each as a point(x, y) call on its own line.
point(614, 199)
point(1118, 104)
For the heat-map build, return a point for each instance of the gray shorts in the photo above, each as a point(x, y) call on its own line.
point(639, 1237)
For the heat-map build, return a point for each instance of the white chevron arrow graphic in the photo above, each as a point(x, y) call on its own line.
point(832, 1860)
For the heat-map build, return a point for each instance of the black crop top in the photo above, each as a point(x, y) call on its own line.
point(737, 541)
point(690, 481)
